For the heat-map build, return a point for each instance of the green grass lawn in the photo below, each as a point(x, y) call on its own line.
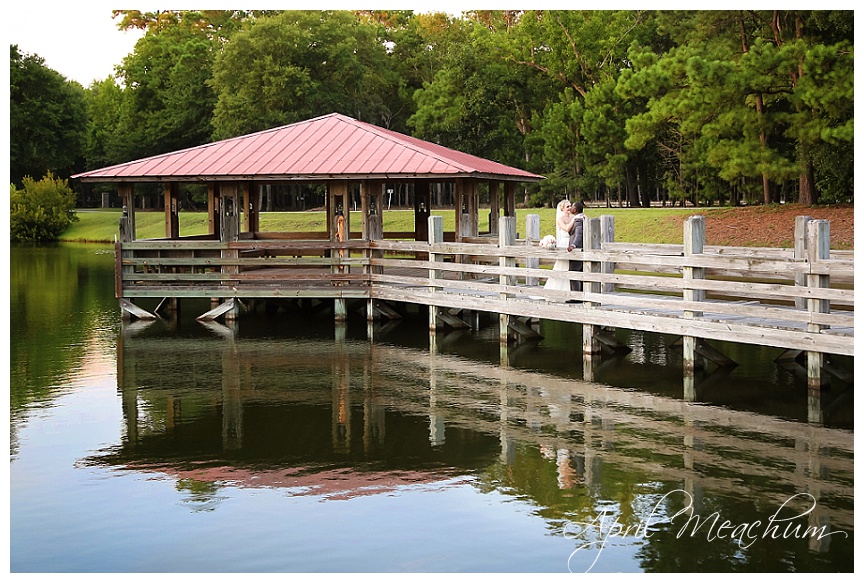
point(655, 225)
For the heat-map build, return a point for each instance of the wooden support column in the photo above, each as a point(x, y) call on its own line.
point(127, 234)
point(214, 210)
point(607, 229)
point(694, 243)
point(422, 209)
point(532, 235)
point(229, 216)
point(371, 230)
point(127, 195)
point(465, 204)
point(436, 235)
point(799, 253)
point(590, 242)
point(506, 238)
point(494, 206)
point(229, 231)
point(365, 210)
point(818, 249)
point(473, 208)
point(340, 231)
point(251, 208)
point(509, 199)
point(172, 211)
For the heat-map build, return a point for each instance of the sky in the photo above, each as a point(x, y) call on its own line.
point(79, 40)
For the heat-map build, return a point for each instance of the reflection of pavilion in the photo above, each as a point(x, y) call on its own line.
point(350, 418)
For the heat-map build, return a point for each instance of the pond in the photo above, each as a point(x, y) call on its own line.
point(287, 443)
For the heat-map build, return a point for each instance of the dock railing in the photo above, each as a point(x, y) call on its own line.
point(774, 297)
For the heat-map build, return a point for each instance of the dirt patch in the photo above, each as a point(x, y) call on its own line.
point(773, 225)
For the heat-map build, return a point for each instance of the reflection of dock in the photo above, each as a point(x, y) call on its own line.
point(584, 426)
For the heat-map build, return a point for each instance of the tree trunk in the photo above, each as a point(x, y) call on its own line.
point(632, 192)
point(807, 194)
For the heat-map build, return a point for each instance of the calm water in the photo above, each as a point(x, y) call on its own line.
point(285, 443)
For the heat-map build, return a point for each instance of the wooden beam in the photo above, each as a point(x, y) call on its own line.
point(509, 199)
point(219, 310)
point(251, 208)
point(213, 209)
point(134, 310)
point(172, 211)
point(494, 206)
point(422, 209)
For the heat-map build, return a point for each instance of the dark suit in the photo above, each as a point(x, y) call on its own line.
point(576, 243)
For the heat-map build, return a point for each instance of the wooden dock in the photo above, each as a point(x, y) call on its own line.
point(799, 299)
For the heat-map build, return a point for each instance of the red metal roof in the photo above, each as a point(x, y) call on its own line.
point(324, 148)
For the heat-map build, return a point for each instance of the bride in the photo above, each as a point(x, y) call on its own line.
point(564, 221)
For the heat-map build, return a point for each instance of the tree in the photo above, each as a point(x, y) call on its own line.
point(42, 210)
point(167, 100)
point(104, 105)
point(297, 65)
point(745, 95)
point(47, 119)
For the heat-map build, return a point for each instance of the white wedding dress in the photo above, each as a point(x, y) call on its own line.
point(562, 241)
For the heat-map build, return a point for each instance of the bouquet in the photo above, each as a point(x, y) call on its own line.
point(548, 242)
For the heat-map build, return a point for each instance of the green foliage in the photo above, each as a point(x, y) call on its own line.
point(299, 65)
point(47, 119)
point(167, 103)
point(42, 210)
point(696, 105)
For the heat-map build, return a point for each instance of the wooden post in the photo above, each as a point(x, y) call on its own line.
point(509, 199)
point(213, 210)
point(532, 235)
point(172, 217)
point(127, 234)
point(799, 253)
point(506, 238)
point(422, 209)
point(694, 243)
point(251, 208)
point(339, 232)
point(607, 228)
point(128, 197)
point(818, 249)
point(230, 212)
point(473, 208)
point(368, 231)
point(436, 235)
point(494, 206)
point(590, 242)
point(458, 203)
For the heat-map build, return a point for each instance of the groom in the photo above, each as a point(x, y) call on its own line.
point(577, 209)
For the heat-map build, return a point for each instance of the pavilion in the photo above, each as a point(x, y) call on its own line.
point(347, 156)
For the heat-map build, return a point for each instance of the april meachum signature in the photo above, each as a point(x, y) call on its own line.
point(605, 527)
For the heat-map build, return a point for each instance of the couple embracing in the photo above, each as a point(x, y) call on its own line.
point(568, 235)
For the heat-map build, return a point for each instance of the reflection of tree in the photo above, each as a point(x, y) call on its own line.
point(58, 299)
point(202, 495)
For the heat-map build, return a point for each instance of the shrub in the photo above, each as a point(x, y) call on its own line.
point(42, 210)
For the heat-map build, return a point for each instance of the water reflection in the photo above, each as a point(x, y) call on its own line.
point(348, 418)
point(505, 456)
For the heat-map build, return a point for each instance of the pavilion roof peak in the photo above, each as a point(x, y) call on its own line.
point(328, 147)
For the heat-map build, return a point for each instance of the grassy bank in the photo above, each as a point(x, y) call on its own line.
point(656, 225)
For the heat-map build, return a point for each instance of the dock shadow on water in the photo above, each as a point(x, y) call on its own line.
point(285, 442)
